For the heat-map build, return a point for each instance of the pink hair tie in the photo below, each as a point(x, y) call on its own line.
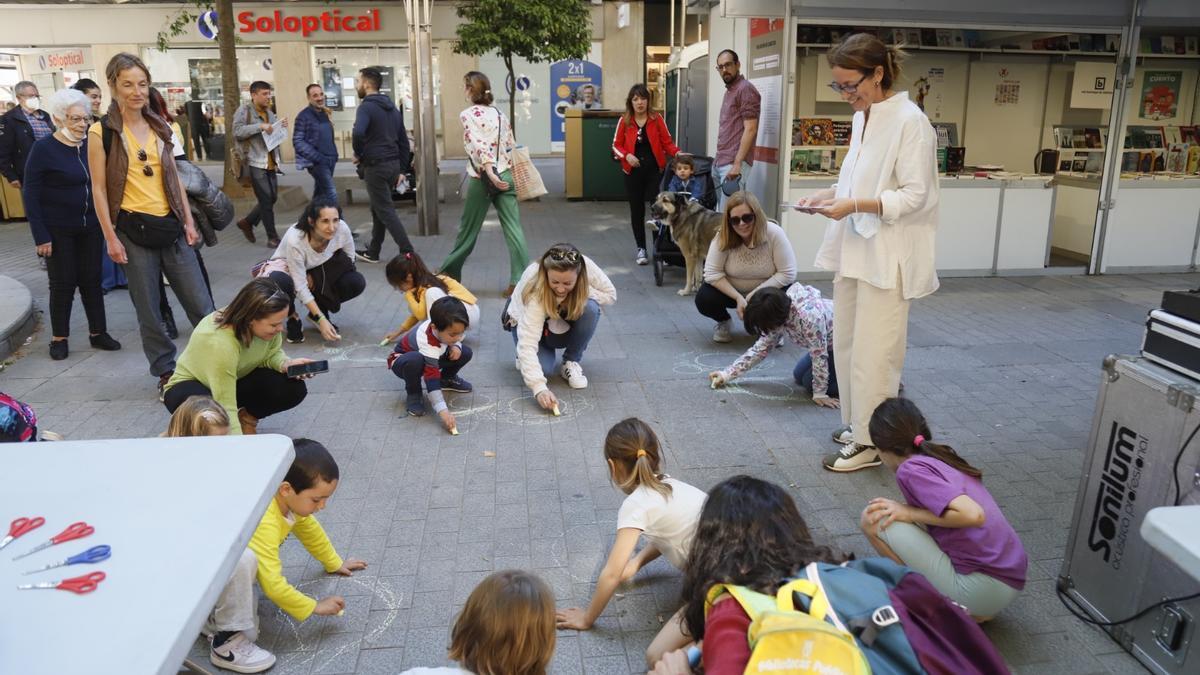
point(918, 440)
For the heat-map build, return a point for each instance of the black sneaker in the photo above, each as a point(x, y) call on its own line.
point(456, 384)
point(415, 405)
point(59, 350)
point(295, 330)
point(366, 257)
point(162, 384)
point(104, 341)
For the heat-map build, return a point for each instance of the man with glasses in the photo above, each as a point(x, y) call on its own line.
point(19, 128)
point(738, 125)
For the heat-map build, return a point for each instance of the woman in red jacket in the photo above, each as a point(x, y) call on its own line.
point(643, 144)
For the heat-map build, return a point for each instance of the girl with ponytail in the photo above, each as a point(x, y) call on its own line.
point(950, 528)
point(661, 508)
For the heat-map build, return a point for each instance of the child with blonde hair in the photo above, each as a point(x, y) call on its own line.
point(661, 508)
point(506, 628)
point(198, 416)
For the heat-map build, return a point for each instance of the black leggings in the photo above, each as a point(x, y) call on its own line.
point(713, 303)
point(641, 187)
point(346, 287)
point(262, 392)
point(75, 262)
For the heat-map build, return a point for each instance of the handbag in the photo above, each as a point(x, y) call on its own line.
point(488, 186)
point(526, 176)
point(243, 172)
point(149, 231)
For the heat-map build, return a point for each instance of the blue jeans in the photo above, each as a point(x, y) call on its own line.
point(322, 175)
point(803, 374)
point(574, 342)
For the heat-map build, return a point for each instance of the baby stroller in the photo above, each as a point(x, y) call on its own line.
point(663, 250)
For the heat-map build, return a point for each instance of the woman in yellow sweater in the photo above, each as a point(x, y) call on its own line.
point(408, 274)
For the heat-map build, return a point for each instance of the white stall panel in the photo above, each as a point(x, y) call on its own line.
point(966, 238)
point(1024, 229)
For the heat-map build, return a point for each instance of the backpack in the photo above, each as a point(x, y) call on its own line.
point(18, 423)
point(899, 622)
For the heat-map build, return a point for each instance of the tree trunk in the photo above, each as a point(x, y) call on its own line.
point(510, 85)
point(231, 92)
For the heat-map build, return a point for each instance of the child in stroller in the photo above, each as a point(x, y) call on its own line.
point(685, 173)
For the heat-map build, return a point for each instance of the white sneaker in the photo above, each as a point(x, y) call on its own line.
point(852, 458)
point(844, 435)
point(241, 656)
point(721, 332)
point(572, 372)
point(641, 257)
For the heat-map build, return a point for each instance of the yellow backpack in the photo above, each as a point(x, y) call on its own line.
point(785, 640)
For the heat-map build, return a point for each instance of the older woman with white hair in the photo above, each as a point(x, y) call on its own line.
point(58, 201)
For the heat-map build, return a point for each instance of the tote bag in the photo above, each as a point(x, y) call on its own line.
point(525, 174)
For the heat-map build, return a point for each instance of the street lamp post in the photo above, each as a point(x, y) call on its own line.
point(419, 14)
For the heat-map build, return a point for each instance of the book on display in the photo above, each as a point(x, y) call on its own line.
point(816, 131)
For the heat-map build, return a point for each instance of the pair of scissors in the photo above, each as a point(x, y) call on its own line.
point(73, 531)
point(94, 554)
point(81, 585)
point(21, 526)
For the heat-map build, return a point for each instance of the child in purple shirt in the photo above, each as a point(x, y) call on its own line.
point(966, 549)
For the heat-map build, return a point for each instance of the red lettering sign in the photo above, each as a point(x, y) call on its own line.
point(332, 21)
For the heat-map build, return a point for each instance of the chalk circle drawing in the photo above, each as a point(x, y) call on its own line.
point(520, 411)
point(762, 386)
point(307, 653)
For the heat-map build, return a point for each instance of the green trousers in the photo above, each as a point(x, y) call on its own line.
point(474, 211)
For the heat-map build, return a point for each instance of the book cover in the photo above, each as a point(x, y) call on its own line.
point(1085, 43)
point(1176, 161)
point(1092, 137)
point(971, 38)
point(799, 161)
point(1172, 135)
point(1154, 138)
point(941, 160)
point(826, 160)
point(947, 133)
point(1189, 134)
point(959, 38)
point(912, 36)
point(945, 37)
point(1191, 44)
point(928, 37)
point(1064, 165)
point(1073, 41)
point(1145, 161)
point(841, 132)
point(1078, 165)
point(956, 158)
point(1193, 160)
point(1093, 162)
point(1079, 139)
point(1062, 137)
point(1129, 162)
point(797, 137)
point(1160, 161)
point(1136, 138)
point(1167, 44)
point(816, 131)
point(814, 160)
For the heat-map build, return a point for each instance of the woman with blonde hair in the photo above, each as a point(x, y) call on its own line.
point(556, 305)
point(142, 207)
point(748, 253)
point(506, 628)
point(488, 140)
point(879, 240)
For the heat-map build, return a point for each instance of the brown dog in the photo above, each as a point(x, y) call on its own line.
point(692, 227)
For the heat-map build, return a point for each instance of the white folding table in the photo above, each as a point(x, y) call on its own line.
point(177, 512)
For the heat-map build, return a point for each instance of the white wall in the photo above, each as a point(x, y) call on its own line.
point(1005, 133)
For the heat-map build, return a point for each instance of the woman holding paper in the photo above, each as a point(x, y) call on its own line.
point(883, 216)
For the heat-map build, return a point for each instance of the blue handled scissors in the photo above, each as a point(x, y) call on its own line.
point(94, 554)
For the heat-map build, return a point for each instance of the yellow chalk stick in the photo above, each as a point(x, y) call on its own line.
point(556, 411)
point(341, 612)
point(453, 431)
point(384, 343)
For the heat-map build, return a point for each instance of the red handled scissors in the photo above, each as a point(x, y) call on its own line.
point(21, 526)
point(73, 531)
point(81, 585)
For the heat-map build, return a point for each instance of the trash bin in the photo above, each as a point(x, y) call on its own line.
point(591, 171)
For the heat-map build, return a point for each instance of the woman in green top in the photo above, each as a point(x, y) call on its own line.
point(235, 355)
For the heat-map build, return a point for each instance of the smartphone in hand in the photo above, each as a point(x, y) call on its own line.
point(311, 368)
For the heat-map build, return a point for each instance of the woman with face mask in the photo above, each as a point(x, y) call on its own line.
point(58, 201)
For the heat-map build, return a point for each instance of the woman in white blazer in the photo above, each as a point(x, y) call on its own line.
point(883, 216)
point(556, 305)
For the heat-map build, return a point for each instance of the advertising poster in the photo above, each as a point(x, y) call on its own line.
point(1092, 86)
point(1160, 94)
point(331, 83)
point(575, 84)
point(764, 69)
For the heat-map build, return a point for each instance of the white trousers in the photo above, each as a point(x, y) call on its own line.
point(236, 608)
point(870, 333)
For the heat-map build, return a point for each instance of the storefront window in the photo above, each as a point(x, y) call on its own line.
point(186, 74)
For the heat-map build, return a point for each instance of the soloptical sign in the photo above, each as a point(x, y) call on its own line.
point(330, 21)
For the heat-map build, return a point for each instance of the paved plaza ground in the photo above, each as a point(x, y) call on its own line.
point(1005, 369)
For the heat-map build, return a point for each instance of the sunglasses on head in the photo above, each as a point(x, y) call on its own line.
point(747, 218)
point(146, 168)
point(563, 255)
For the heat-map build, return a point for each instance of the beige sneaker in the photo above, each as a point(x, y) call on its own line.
point(852, 458)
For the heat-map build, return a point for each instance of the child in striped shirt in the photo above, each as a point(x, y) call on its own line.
point(433, 351)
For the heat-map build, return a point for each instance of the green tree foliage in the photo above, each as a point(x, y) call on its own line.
point(535, 30)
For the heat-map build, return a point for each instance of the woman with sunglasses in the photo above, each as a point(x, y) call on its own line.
point(235, 356)
point(142, 207)
point(58, 201)
point(556, 305)
point(879, 242)
point(747, 254)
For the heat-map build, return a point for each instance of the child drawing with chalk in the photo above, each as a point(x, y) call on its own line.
point(198, 416)
point(801, 314)
point(305, 490)
point(408, 274)
point(433, 352)
point(662, 509)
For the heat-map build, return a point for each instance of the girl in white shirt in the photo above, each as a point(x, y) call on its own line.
point(556, 305)
point(661, 508)
point(883, 217)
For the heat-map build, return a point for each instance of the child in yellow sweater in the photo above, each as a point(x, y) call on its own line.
point(307, 486)
point(408, 274)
